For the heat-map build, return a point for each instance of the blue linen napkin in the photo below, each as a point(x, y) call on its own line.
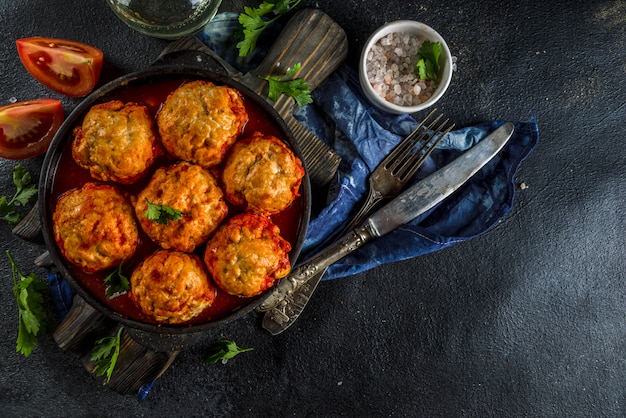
point(366, 135)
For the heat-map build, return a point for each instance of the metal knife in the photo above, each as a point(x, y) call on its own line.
point(411, 203)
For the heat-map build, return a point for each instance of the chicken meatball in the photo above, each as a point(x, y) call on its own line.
point(199, 122)
point(116, 142)
point(171, 287)
point(247, 255)
point(191, 190)
point(262, 174)
point(95, 227)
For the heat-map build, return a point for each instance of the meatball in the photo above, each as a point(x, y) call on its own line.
point(199, 122)
point(247, 255)
point(191, 190)
point(116, 142)
point(95, 227)
point(262, 174)
point(171, 286)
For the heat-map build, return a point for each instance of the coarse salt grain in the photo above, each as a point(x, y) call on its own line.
point(390, 69)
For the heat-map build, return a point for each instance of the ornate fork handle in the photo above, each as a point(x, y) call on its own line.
point(302, 274)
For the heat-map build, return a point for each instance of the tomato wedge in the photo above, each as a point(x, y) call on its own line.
point(26, 128)
point(67, 67)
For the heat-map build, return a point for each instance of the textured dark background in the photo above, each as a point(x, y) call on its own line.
point(528, 320)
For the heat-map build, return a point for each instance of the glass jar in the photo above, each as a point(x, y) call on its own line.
point(167, 19)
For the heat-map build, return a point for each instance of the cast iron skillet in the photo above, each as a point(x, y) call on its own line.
point(151, 333)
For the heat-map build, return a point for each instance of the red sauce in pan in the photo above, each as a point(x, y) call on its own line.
point(70, 176)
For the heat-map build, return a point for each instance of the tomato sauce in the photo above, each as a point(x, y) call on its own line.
point(70, 176)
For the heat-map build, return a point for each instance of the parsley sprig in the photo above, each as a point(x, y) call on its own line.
point(28, 292)
point(116, 283)
point(224, 350)
point(162, 214)
point(428, 60)
point(296, 88)
point(255, 20)
point(26, 190)
point(105, 353)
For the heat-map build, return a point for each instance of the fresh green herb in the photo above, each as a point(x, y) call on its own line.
point(296, 88)
point(224, 350)
point(105, 353)
point(116, 283)
point(255, 20)
point(428, 60)
point(25, 192)
point(28, 292)
point(162, 214)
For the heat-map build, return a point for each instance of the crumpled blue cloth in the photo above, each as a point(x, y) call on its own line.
point(366, 135)
point(362, 136)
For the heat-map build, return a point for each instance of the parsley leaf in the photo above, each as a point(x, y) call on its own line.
point(105, 353)
point(224, 350)
point(24, 193)
point(296, 88)
point(254, 21)
point(28, 292)
point(428, 60)
point(162, 214)
point(116, 283)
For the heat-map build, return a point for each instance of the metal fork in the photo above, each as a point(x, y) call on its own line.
point(284, 305)
point(399, 166)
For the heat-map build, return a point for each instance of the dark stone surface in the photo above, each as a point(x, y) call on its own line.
point(528, 320)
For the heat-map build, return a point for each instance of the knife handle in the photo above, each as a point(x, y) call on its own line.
point(309, 269)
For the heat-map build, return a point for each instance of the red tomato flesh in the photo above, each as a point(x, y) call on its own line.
point(26, 128)
point(67, 67)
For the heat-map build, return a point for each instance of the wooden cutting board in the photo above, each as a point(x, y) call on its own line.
point(310, 38)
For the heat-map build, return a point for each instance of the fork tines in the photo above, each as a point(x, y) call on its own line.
point(404, 160)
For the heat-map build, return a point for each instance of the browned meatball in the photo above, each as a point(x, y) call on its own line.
point(262, 174)
point(171, 286)
point(247, 255)
point(95, 227)
point(199, 122)
point(116, 142)
point(191, 190)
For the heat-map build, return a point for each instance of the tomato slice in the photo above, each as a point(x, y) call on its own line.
point(67, 67)
point(26, 128)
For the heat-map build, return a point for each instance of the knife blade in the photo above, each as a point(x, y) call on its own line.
point(281, 311)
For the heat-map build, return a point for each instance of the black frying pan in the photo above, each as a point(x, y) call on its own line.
point(56, 165)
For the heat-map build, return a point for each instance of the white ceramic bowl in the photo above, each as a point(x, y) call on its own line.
point(420, 29)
